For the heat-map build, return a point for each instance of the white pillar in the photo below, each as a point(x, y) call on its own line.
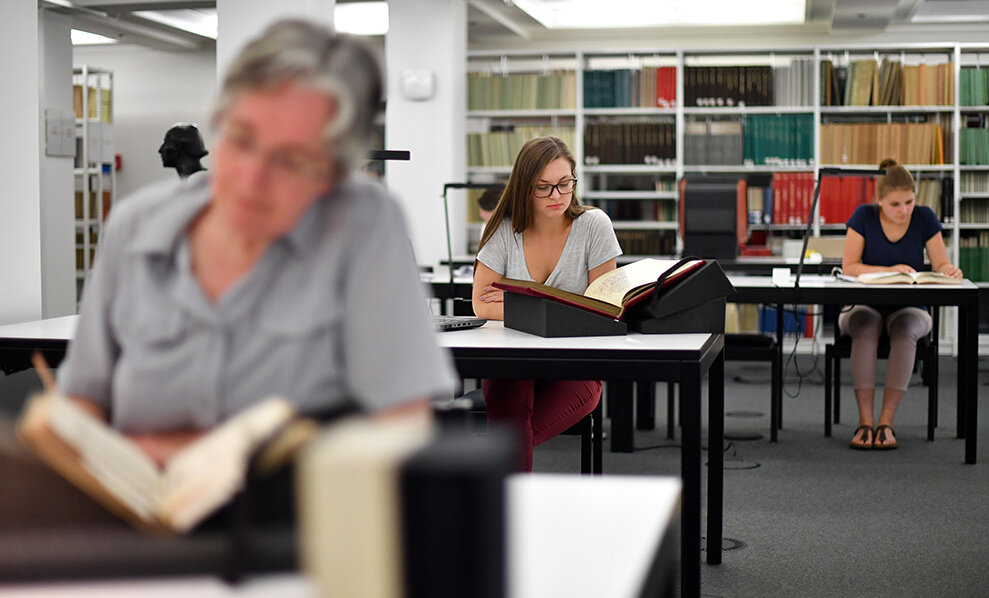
point(428, 36)
point(20, 132)
point(58, 265)
point(241, 20)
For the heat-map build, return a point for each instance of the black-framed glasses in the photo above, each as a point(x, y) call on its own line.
point(545, 190)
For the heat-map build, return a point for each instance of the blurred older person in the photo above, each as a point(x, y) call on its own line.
point(275, 273)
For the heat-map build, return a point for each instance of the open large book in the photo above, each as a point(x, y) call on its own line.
point(106, 465)
point(906, 278)
point(611, 294)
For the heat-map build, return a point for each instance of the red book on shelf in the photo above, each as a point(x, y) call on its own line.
point(793, 217)
point(666, 86)
point(807, 180)
point(830, 195)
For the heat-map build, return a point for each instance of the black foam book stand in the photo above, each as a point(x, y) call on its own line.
point(549, 318)
point(694, 304)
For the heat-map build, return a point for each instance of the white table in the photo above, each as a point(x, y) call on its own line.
point(825, 290)
point(493, 351)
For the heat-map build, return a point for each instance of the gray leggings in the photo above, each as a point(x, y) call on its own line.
point(904, 326)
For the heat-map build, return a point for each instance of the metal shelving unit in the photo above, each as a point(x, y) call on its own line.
point(94, 162)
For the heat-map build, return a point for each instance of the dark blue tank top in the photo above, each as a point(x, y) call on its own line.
point(880, 251)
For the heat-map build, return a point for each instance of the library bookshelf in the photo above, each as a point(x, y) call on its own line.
point(94, 162)
point(641, 120)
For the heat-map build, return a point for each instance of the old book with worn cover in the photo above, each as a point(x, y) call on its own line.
point(114, 471)
point(614, 292)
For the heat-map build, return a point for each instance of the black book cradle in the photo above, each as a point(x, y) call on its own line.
point(695, 303)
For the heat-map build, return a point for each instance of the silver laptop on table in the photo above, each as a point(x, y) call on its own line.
point(448, 323)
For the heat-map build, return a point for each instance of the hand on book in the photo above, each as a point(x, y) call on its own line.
point(952, 271)
point(902, 268)
point(162, 446)
point(493, 295)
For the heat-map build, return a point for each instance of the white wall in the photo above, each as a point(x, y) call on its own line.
point(241, 20)
point(20, 136)
point(58, 266)
point(428, 35)
point(152, 91)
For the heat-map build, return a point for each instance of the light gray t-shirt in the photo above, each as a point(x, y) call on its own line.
point(591, 243)
point(331, 315)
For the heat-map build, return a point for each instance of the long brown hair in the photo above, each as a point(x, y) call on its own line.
point(516, 199)
point(897, 178)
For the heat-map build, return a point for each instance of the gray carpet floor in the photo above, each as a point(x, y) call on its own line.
point(808, 516)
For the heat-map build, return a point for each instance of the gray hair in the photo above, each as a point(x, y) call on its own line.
point(310, 54)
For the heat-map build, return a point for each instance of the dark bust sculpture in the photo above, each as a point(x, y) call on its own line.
point(182, 149)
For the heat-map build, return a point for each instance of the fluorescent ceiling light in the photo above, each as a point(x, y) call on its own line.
point(951, 11)
point(85, 38)
point(197, 21)
point(361, 18)
point(594, 14)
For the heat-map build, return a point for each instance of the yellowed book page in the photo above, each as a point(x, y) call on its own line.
point(206, 474)
point(36, 432)
point(906, 278)
point(615, 286)
point(884, 278)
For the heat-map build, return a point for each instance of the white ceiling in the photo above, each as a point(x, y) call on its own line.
point(495, 23)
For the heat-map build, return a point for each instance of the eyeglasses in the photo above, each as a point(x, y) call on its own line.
point(285, 163)
point(564, 187)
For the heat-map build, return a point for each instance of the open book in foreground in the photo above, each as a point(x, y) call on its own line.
point(612, 293)
point(906, 278)
point(103, 463)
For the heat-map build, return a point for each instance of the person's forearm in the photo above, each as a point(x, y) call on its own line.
point(494, 310)
point(419, 408)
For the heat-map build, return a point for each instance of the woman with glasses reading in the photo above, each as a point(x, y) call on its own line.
point(540, 231)
point(274, 274)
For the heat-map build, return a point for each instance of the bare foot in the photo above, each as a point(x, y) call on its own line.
point(862, 438)
point(885, 438)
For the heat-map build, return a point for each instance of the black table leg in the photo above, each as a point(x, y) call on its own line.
point(715, 457)
point(968, 376)
point(690, 464)
point(596, 446)
point(645, 405)
point(779, 369)
point(621, 409)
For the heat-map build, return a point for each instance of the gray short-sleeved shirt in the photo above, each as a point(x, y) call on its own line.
point(591, 243)
point(332, 313)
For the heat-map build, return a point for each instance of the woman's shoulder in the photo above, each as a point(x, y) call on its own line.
point(866, 210)
point(593, 217)
point(925, 214)
point(864, 215)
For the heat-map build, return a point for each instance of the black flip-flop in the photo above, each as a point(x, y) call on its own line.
point(867, 439)
point(881, 436)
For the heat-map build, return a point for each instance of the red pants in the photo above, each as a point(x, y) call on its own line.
point(540, 409)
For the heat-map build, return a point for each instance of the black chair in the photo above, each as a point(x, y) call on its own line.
point(738, 347)
point(471, 410)
point(927, 354)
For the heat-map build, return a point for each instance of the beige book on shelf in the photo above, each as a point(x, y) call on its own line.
point(906, 278)
point(911, 85)
point(111, 469)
